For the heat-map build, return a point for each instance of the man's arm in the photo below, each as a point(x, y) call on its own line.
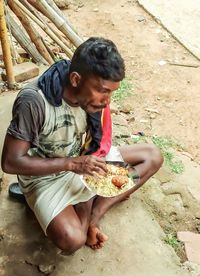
point(16, 161)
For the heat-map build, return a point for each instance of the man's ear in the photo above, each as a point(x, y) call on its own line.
point(75, 79)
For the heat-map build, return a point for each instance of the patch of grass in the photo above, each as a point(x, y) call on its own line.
point(172, 240)
point(164, 143)
point(123, 91)
point(175, 166)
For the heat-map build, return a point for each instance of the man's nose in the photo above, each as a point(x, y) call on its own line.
point(107, 100)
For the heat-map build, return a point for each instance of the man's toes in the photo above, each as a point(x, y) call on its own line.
point(97, 246)
point(102, 237)
point(101, 244)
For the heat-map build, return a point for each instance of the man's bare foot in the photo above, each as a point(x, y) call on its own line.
point(95, 239)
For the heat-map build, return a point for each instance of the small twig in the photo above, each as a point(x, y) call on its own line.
point(184, 65)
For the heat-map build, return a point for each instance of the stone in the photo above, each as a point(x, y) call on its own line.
point(119, 120)
point(126, 107)
point(62, 4)
point(131, 119)
point(24, 71)
point(152, 116)
point(152, 110)
point(46, 269)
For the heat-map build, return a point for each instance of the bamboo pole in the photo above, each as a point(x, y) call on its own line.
point(15, 56)
point(32, 32)
point(46, 29)
point(24, 41)
point(43, 19)
point(56, 9)
point(60, 23)
point(6, 49)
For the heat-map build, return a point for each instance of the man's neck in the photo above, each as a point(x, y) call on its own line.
point(69, 96)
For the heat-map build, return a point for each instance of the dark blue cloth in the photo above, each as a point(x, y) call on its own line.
point(53, 81)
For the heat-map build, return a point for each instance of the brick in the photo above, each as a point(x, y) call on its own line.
point(24, 71)
point(192, 245)
point(188, 236)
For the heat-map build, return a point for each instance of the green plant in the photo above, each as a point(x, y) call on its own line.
point(175, 166)
point(164, 143)
point(57, 58)
point(172, 240)
point(123, 91)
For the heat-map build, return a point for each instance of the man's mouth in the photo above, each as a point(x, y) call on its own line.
point(99, 106)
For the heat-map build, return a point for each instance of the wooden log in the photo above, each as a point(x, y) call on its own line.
point(24, 41)
point(43, 19)
point(67, 51)
point(60, 23)
point(32, 32)
point(6, 48)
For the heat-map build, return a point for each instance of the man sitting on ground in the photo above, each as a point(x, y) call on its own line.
point(61, 129)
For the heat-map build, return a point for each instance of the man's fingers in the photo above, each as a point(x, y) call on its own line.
point(102, 166)
point(100, 170)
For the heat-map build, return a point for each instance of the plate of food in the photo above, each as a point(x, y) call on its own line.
point(119, 179)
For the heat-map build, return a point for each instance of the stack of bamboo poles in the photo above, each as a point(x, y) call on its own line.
point(40, 12)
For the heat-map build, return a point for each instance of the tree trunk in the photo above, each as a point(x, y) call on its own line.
point(60, 23)
point(24, 41)
point(46, 29)
point(33, 34)
point(6, 48)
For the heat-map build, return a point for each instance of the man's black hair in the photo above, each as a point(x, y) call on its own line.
point(100, 57)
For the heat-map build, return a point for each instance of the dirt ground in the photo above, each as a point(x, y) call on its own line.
point(171, 93)
point(169, 89)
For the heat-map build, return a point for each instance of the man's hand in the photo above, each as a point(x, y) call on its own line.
point(16, 161)
point(88, 164)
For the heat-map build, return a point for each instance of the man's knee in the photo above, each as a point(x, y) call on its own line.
point(70, 240)
point(155, 156)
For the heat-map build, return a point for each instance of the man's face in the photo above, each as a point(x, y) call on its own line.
point(94, 93)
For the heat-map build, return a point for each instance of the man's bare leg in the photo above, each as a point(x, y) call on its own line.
point(147, 160)
point(68, 230)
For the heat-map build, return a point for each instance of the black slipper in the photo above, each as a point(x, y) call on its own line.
point(15, 192)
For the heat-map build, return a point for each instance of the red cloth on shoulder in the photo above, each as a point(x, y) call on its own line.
point(106, 140)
